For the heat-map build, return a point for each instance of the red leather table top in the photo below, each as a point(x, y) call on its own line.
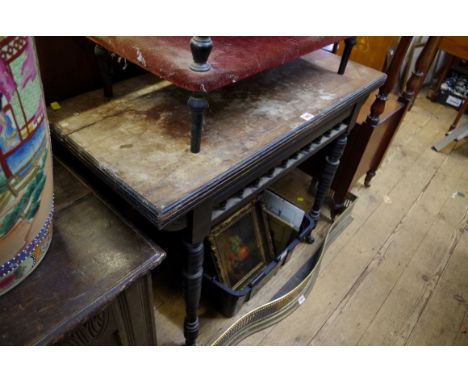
point(232, 58)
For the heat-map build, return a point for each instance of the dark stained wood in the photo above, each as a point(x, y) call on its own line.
point(331, 163)
point(423, 63)
point(349, 44)
point(69, 67)
point(393, 73)
point(378, 107)
point(193, 273)
point(373, 133)
point(104, 60)
point(67, 190)
point(197, 104)
point(94, 259)
point(201, 48)
point(361, 151)
point(246, 125)
point(127, 320)
point(460, 113)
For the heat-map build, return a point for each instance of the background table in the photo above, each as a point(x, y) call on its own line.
point(93, 286)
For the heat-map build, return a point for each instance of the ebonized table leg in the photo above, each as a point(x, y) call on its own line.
point(198, 104)
point(460, 113)
point(201, 48)
point(349, 44)
point(369, 175)
point(104, 60)
point(193, 272)
point(332, 161)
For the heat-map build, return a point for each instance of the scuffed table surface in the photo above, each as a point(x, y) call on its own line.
point(92, 258)
point(139, 141)
point(232, 58)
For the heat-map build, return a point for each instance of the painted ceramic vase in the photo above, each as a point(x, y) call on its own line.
point(26, 192)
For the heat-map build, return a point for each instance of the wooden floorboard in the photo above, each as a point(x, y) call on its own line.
point(441, 322)
point(408, 210)
point(363, 301)
point(400, 312)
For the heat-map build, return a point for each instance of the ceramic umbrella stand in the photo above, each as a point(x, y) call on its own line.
point(26, 192)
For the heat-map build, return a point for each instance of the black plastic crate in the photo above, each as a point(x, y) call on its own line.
point(446, 97)
point(454, 89)
point(229, 301)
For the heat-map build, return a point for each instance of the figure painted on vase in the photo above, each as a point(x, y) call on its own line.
point(25, 163)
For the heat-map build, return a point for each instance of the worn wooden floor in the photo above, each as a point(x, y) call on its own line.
point(398, 275)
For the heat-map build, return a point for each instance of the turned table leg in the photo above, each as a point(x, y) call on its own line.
point(198, 104)
point(193, 273)
point(201, 48)
point(332, 160)
point(460, 113)
point(423, 63)
point(369, 175)
point(104, 60)
point(349, 44)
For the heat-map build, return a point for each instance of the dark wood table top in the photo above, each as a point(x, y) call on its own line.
point(140, 139)
point(92, 258)
point(232, 58)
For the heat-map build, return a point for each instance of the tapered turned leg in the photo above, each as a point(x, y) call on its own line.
point(193, 272)
point(201, 49)
point(370, 174)
point(423, 63)
point(460, 113)
point(349, 44)
point(335, 48)
point(104, 60)
point(332, 160)
point(198, 104)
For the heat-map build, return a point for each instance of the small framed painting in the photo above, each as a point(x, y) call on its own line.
point(240, 247)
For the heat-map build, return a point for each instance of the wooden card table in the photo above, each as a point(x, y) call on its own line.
point(256, 131)
point(204, 64)
point(94, 286)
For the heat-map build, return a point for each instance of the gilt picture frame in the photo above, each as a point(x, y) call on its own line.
point(240, 247)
